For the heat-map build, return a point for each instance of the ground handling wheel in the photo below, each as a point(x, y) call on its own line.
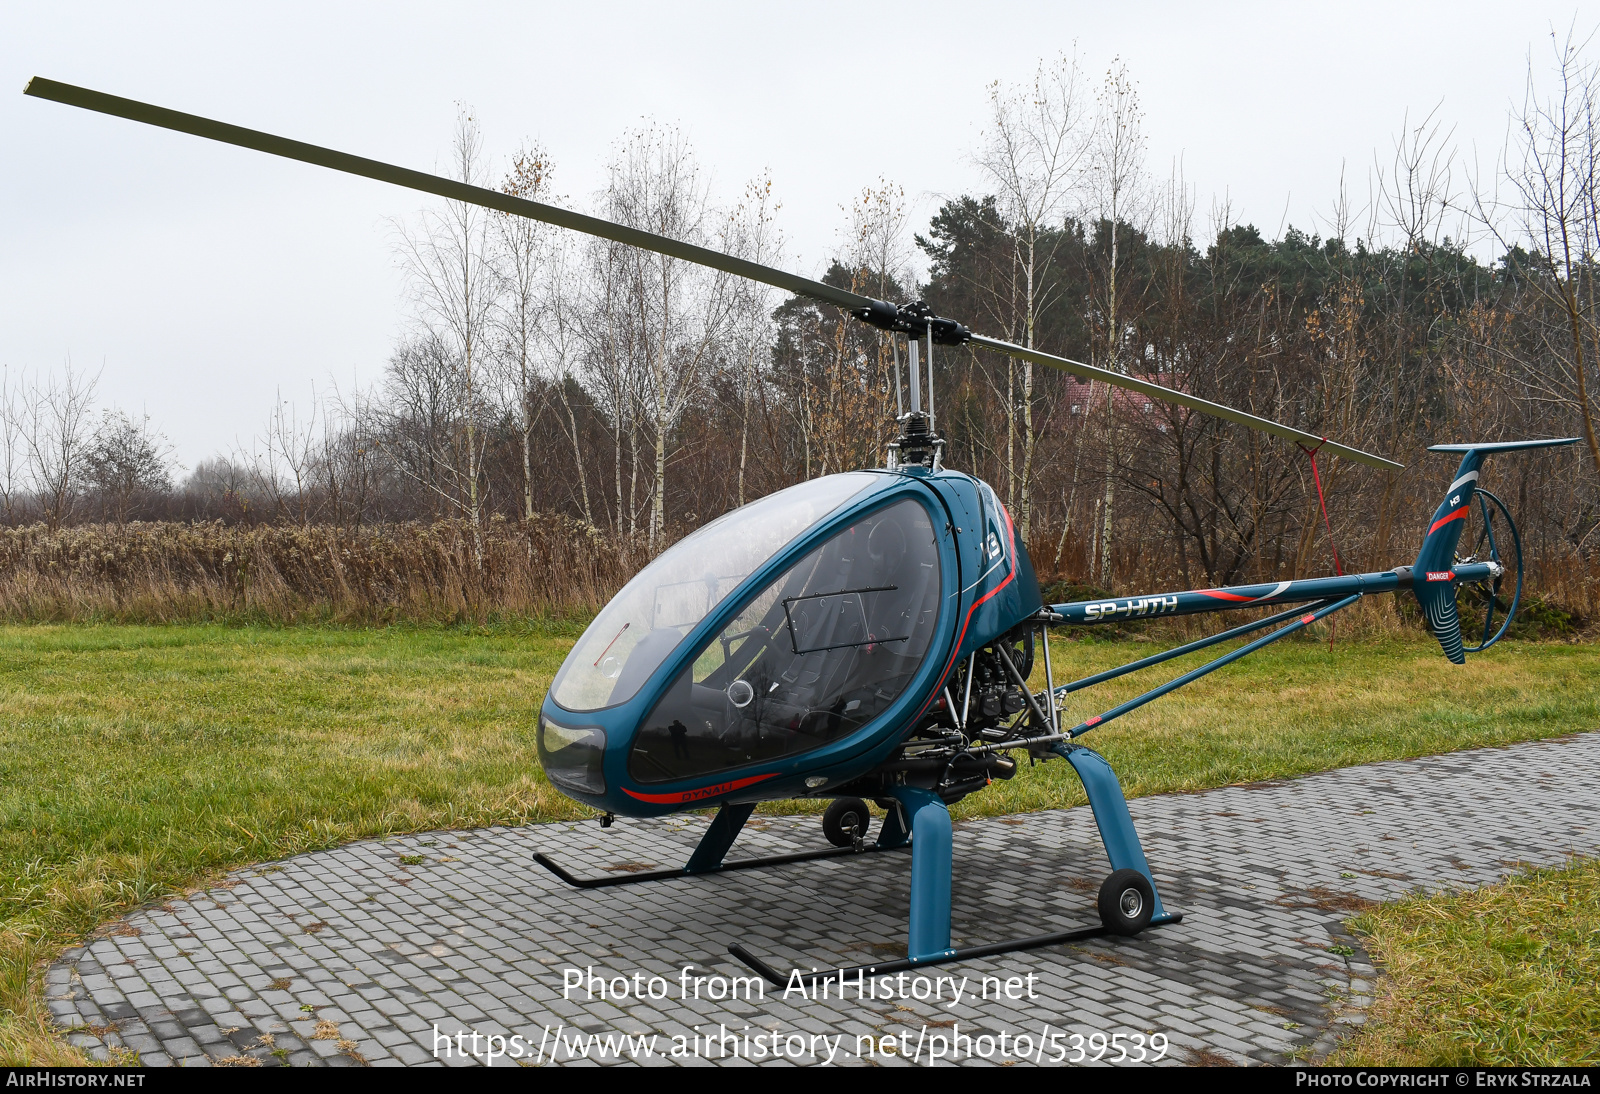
point(1126, 902)
point(846, 821)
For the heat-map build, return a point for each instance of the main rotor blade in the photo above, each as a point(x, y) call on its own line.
point(70, 95)
point(1204, 406)
point(41, 88)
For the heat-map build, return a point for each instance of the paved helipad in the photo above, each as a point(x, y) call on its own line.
point(372, 952)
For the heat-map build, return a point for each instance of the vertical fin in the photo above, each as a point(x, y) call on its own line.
point(1436, 595)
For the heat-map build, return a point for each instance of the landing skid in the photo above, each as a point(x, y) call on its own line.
point(921, 819)
point(928, 939)
point(708, 855)
point(900, 964)
point(683, 871)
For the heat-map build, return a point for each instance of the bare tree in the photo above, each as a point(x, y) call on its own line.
point(752, 233)
point(564, 339)
point(523, 272)
point(846, 396)
point(350, 472)
point(613, 367)
point(1551, 166)
point(222, 487)
point(13, 449)
point(283, 460)
point(677, 309)
point(1416, 191)
point(56, 434)
point(416, 421)
point(127, 463)
point(1117, 166)
point(1036, 139)
point(1413, 198)
point(448, 260)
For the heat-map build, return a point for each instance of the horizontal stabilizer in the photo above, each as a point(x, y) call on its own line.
point(1503, 446)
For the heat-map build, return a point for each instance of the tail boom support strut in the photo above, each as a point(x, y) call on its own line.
point(1314, 613)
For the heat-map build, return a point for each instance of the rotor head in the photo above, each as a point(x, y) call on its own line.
point(915, 319)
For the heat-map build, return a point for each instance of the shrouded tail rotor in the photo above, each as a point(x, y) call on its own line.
point(1433, 578)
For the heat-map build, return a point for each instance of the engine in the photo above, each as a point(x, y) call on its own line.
point(981, 715)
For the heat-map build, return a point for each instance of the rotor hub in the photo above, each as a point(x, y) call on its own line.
point(915, 319)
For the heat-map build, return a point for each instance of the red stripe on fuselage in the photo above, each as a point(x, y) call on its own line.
point(1218, 594)
point(1459, 514)
point(1011, 533)
point(701, 794)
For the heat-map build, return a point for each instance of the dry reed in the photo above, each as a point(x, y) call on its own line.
point(549, 567)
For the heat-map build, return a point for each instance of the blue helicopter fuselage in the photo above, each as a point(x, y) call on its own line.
point(786, 648)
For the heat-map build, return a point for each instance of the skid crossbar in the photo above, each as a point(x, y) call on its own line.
point(683, 871)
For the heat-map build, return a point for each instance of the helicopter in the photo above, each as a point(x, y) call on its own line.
point(869, 635)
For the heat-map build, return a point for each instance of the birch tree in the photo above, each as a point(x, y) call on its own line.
point(1032, 150)
point(521, 246)
point(611, 366)
point(449, 263)
point(877, 254)
point(1117, 170)
point(678, 309)
point(753, 234)
point(563, 339)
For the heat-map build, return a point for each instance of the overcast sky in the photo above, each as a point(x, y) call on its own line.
point(204, 280)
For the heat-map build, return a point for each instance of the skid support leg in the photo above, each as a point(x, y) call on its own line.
point(719, 837)
point(1111, 816)
point(931, 851)
point(895, 831)
point(928, 821)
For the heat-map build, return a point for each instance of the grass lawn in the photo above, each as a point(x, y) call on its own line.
point(1294, 708)
point(135, 761)
point(1502, 976)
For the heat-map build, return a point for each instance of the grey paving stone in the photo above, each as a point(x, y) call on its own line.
point(481, 937)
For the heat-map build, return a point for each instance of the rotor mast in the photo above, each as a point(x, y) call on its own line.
point(918, 442)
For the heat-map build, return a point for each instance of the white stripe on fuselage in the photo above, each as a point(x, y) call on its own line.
point(1282, 585)
point(1470, 476)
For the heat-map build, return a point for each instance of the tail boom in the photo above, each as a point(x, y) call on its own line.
point(1235, 597)
point(1433, 578)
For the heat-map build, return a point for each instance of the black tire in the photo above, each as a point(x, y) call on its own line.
point(843, 818)
point(1126, 902)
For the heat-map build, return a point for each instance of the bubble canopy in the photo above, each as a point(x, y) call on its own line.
point(647, 620)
